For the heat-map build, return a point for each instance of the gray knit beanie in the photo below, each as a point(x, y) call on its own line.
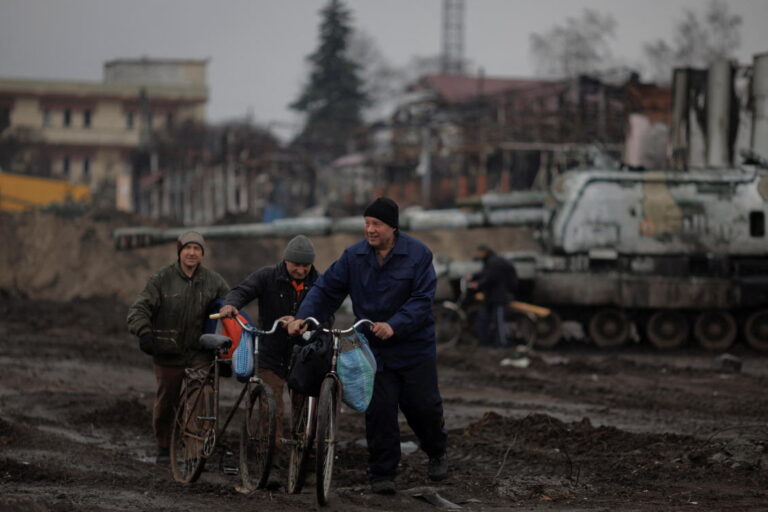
point(190, 237)
point(300, 250)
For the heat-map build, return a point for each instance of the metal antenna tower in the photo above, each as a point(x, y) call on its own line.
point(453, 37)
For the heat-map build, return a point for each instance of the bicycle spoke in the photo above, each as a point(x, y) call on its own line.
point(257, 438)
point(326, 438)
point(299, 443)
point(189, 434)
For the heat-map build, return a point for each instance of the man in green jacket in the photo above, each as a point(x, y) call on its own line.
point(168, 317)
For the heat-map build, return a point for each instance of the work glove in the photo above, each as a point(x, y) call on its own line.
point(147, 343)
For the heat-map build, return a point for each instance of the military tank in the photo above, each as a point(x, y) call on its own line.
point(662, 255)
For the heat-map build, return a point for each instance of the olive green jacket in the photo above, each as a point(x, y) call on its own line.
point(172, 307)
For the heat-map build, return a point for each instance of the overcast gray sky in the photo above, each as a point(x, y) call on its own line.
point(257, 48)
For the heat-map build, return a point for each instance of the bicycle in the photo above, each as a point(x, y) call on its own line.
point(315, 417)
point(196, 431)
point(454, 319)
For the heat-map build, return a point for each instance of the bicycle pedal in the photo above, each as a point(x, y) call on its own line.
point(230, 470)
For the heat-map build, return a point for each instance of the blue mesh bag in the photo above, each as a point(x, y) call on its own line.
point(242, 359)
point(356, 367)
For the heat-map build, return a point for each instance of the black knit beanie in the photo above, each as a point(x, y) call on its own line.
point(385, 210)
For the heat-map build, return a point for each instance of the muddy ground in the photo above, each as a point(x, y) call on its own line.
point(576, 430)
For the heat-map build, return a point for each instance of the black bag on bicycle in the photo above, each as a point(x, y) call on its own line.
point(310, 363)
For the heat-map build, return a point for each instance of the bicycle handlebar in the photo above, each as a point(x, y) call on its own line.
point(255, 330)
point(348, 330)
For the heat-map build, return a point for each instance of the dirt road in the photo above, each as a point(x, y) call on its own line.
point(577, 430)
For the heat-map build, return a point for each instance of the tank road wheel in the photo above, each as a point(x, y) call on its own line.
point(756, 330)
point(715, 330)
point(667, 329)
point(548, 330)
point(609, 328)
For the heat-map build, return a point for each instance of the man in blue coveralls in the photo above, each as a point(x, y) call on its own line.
point(391, 281)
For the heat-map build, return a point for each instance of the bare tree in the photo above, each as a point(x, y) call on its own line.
point(580, 45)
point(697, 42)
point(382, 82)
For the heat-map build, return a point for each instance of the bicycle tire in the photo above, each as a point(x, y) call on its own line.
point(327, 410)
point(300, 444)
point(257, 437)
point(449, 325)
point(189, 433)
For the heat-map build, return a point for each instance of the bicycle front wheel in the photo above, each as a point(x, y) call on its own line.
point(300, 442)
point(327, 410)
point(257, 437)
point(192, 428)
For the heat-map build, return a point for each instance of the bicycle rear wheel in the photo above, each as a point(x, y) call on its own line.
point(300, 443)
point(192, 428)
point(327, 410)
point(449, 324)
point(257, 437)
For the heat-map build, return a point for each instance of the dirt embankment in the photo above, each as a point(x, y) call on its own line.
point(48, 256)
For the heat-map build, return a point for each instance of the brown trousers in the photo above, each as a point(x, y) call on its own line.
point(169, 380)
point(278, 386)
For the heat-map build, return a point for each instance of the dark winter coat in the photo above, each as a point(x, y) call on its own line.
point(277, 297)
point(172, 307)
point(497, 280)
point(399, 292)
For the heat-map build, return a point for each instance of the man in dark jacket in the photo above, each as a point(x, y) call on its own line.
point(391, 281)
point(497, 282)
point(168, 317)
point(279, 288)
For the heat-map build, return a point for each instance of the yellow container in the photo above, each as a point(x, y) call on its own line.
point(18, 192)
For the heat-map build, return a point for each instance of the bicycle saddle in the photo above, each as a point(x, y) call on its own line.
point(215, 342)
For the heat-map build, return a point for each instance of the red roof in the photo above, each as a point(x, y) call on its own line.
point(460, 88)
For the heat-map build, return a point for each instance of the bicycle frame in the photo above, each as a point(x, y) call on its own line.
point(316, 426)
point(213, 373)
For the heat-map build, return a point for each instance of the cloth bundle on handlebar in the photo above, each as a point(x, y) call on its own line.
point(310, 363)
point(357, 370)
point(225, 326)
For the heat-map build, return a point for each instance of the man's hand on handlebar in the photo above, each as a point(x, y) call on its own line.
point(382, 330)
point(296, 326)
point(228, 311)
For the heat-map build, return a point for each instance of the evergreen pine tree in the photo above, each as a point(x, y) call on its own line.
point(334, 97)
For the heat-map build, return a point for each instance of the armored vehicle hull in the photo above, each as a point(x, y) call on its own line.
point(666, 256)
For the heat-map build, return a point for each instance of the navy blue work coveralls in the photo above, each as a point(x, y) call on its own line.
point(400, 292)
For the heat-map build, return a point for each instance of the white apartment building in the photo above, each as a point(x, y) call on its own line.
point(89, 130)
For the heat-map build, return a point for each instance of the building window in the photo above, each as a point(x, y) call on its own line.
point(65, 164)
point(756, 224)
point(130, 120)
point(86, 168)
point(47, 117)
point(5, 118)
point(67, 118)
point(87, 118)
